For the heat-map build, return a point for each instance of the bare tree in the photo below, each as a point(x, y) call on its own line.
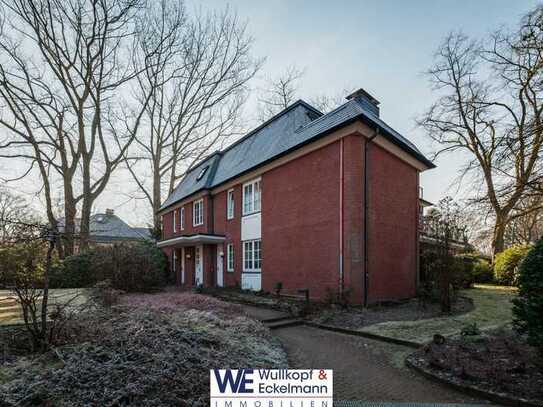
point(279, 92)
point(63, 93)
point(196, 85)
point(526, 222)
point(490, 109)
point(13, 209)
point(326, 103)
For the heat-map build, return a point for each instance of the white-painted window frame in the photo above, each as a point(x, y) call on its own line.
point(230, 204)
point(174, 261)
point(252, 200)
point(230, 257)
point(182, 218)
point(251, 262)
point(198, 217)
point(174, 221)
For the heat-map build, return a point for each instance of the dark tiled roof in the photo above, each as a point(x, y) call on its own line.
point(109, 227)
point(295, 126)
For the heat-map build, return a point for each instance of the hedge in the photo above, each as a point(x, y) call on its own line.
point(137, 266)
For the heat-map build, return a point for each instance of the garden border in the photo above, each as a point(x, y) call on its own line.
point(472, 390)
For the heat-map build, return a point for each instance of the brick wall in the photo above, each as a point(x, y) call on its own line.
point(300, 215)
point(393, 214)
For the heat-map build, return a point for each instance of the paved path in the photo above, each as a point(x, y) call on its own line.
point(364, 369)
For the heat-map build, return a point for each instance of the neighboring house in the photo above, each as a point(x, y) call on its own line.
point(324, 203)
point(107, 229)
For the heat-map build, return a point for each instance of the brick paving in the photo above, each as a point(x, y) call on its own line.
point(364, 369)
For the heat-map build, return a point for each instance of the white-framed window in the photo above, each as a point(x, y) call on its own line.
point(251, 197)
point(198, 212)
point(230, 204)
point(182, 218)
point(174, 221)
point(230, 257)
point(174, 261)
point(252, 255)
point(162, 226)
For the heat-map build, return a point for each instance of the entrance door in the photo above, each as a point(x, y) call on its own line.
point(220, 257)
point(198, 265)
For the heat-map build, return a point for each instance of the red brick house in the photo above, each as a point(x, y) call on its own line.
point(324, 203)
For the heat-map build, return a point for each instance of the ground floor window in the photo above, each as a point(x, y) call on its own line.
point(230, 257)
point(174, 261)
point(252, 255)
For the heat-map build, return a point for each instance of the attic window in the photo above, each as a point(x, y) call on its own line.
point(202, 173)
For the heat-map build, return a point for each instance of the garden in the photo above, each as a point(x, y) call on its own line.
point(127, 340)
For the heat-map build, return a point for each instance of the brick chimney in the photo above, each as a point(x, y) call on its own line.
point(366, 100)
point(110, 212)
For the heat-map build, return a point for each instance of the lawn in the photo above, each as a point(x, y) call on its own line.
point(492, 309)
point(10, 311)
point(148, 350)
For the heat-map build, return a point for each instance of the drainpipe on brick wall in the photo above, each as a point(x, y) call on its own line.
point(341, 277)
point(366, 223)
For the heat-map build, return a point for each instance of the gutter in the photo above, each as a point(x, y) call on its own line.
point(341, 214)
point(366, 223)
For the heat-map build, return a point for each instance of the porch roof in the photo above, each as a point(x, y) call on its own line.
point(191, 240)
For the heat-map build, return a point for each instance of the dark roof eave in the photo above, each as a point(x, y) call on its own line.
point(361, 117)
point(390, 137)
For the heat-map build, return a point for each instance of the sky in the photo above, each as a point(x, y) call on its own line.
point(382, 46)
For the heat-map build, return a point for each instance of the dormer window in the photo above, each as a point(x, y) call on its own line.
point(202, 173)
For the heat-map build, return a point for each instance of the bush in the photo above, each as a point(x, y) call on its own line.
point(22, 263)
point(528, 307)
point(506, 264)
point(482, 272)
point(472, 269)
point(129, 266)
point(73, 272)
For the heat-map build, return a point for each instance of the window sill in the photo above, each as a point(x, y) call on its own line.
point(251, 213)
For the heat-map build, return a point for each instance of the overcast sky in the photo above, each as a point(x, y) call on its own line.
point(382, 46)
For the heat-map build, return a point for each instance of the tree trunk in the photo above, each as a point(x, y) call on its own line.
point(45, 297)
point(157, 199)
point(86, 207)
point(498, 238)
point(70, 212)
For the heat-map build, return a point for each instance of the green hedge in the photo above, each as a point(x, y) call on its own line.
point(129, 267)
point(528, 306)
point(506, 264)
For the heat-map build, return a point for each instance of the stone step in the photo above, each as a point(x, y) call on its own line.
point(283, 323)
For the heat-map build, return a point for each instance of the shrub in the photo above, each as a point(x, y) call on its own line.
point(129, 266)
point(528, 307)
point(506, 264)
point(22, 264)
point(482, 272)
point(472, 269)
point(73, 272)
